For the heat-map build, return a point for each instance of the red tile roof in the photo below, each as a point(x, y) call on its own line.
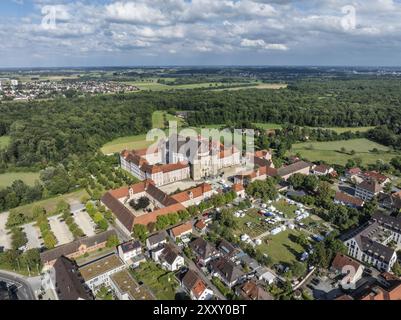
point(348, 199)
point(375, 175)
point(196, 193)
point(341, 261)
point(182, 228)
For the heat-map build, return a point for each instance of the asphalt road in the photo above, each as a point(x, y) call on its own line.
point(25, 292)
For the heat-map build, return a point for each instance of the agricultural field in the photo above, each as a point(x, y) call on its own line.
point(4, 141)
point(6, 179)
point(330, 151)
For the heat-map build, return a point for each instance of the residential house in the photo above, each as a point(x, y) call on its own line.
point(390, 201)
point(131, 253)
point(196, 287)
point(228, 250)
point(349, 268)
point(354, 175)
point(252, 291)
point(323, 170)
point(200, 226)
point(168, 257)
point(203, 251)
point(227, 271)
point(182, 231)
point(348, 200)
point(97, 273)
point(368, 189)
point(156, 240)
point(265, 275)
point(377, 176)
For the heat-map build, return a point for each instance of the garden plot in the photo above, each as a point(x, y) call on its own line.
point(5, 239)
point(60, 230)
point(32, 234)
point(84, 221)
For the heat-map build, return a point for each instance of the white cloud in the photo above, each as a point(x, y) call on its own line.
point(261, 44)
point(211, 27)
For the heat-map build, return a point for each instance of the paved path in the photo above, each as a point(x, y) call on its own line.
point(5, 239)
point(32, 233)
point(60, 230)
point(25, 291)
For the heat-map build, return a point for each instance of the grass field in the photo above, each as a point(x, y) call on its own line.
point(281, 247)
point(345, 129)
point(268, 126)
point(50, 204)
point(4, 141)
point(6, 179)
point(158, 119)
point(153, 85)
point(330, 151)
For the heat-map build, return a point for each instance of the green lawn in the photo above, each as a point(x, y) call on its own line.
point(6, 179)
point(162, 283)
point(345, 129)
point(281, 247)
point(128, 142)
point(330, 151)
point(4, 141)
point(158, 119)
point(268, 126)
point(287, 209)
point(50, 204)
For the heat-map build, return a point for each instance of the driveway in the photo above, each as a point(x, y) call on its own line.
point(84, 221)
point(33, 234)
point(5, 239)
point(60, 230)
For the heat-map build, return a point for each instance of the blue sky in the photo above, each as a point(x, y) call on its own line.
point(199, 32)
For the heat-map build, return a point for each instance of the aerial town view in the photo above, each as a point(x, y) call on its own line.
point(215, 151)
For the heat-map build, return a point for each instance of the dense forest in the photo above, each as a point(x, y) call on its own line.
point(49, 132)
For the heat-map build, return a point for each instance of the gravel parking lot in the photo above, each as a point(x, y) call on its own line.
point(84, 221)
point(5, 239)
point(60, 230)
point(32, 233)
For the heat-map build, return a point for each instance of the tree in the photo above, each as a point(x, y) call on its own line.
point(397, 269)
point(302, 240)
point(140, 232)
point(265, 190)
point(298, 269)
point(112, 241)
point(31, 258)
